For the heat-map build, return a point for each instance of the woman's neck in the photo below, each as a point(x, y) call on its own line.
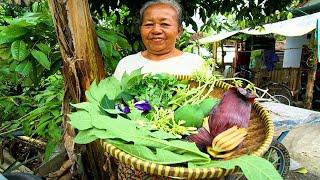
point(159, 57)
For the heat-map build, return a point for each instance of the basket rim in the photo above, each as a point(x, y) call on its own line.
point(197, 172)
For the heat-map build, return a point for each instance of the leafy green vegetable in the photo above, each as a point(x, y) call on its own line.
point(194, 114)
point(191, 114)
point(253, 167)
point(207, 105)
point(88, 118)
point(89, 135)
point(160, 156)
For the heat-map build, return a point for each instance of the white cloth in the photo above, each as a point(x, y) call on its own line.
point(184, 64)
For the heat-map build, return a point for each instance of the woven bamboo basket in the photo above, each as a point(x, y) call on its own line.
point(257, 142)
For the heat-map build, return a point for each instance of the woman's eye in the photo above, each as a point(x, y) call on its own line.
point(148, 25)
point(165, 24)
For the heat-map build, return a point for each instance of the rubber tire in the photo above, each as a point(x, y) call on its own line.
point(283, 154)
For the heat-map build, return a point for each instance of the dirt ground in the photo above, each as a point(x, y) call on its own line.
point(297, 176)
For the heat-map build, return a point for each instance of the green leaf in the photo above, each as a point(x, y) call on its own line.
point(136, 45)
point(109, 86)
point(135, 115)
point(19, 50)
point(131, 133)
point(24, 68)
point(106, 103)
point(54, 131)
point(161, 156)
point(162, 135)
point(253, 167)
point(128, 81)
point(5, 52)
point(207, 105)
point(106, 47)
point(44, 48)
point(81, 120)
point(107, 35)
point(85, 137)
point(50, 147)
point(41, 58)
point(113, 111)
point(89, 135)
point(191, 114)
point(11, 33)
point(123, 43)
point(89, 107)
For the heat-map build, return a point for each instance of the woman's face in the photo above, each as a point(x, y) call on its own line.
point(159, 29)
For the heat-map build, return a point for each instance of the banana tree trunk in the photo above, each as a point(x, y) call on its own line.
point(82, 60)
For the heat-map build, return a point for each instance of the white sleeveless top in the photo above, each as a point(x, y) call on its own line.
point(184, 64)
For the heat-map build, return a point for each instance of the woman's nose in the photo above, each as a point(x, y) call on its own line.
point(156, 29)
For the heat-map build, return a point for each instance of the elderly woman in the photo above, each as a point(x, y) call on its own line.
point(160, 27)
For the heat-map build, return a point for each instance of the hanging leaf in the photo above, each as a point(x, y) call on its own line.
point(106, 47)
point(107, 35)
point(24, 68)
point(11, 33)
point(19, 50)
point(50, 147)
point(44, 48)
point(54, 131)
point(41, 58)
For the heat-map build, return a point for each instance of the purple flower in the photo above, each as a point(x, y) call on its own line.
point(123, 108)
point(143, 106)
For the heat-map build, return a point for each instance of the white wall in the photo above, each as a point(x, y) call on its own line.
point(293, 50)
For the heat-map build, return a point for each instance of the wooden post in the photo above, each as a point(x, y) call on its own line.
point(311, 73)
point(214, 52)
point(82, 60)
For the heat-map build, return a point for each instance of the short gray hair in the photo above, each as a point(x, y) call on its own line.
point(171, 3)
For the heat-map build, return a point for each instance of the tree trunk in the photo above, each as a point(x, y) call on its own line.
point(82, 60)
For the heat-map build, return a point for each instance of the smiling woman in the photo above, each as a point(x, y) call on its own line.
point(160, 27)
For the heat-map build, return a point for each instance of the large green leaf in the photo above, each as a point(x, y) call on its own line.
point(131, 133)
point(41, 58)
point(161, 156)
point(107, 35)
point(106, 47)
point(44, 48)
point(11, 33)
point(19, 50)
point(253, 167)
point(191, 114)
point(89, 135)
point(109, 87)
point(89, 107)
point(129, 80)
point(24, 68)
point(207, 105)
point(81, 120)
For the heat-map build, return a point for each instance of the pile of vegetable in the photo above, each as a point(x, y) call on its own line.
point(160, 119)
